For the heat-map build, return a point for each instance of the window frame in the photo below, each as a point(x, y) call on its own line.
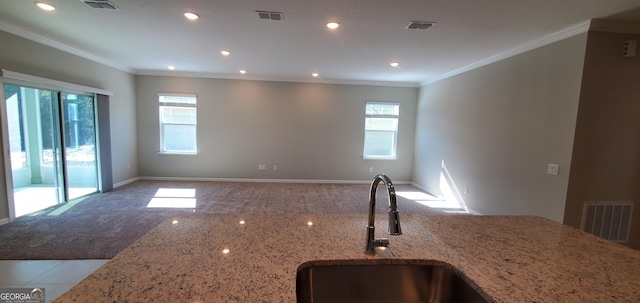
point(394, 149)
point(161, 124)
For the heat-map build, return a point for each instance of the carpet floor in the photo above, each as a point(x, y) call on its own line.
point(101, 225)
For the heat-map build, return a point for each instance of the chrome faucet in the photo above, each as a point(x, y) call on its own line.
point(394, 215)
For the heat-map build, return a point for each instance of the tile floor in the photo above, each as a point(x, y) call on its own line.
point(55, 276)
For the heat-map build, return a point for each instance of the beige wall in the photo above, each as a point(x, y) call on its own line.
point(25, 56)
point(606, 154)
point(497, 127)
point(310, 131)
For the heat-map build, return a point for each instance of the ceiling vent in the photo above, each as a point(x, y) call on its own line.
point(100, 4)
point(419, 25)
point(270, 15)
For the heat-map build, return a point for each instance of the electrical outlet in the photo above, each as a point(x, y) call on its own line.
point(552, 169)
point(275, 167)
point(370, 169)
point(262, 167)
point(629, 49)
point(466, 190)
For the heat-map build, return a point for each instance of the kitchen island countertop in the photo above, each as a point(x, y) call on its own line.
point(215, 258)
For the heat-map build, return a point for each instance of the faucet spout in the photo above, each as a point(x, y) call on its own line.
point(394, 215)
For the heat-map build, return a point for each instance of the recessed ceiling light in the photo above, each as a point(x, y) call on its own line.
point(45, 6)
point(333, 25)
point(242, 71)
point(225, 52)
point(315, 75)
point(171, 67)
point(191, 16)
point(394, 64)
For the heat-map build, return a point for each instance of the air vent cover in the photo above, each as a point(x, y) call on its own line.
point(270, 15)
point(608, 219)
point(419, 25)
point(100, 4)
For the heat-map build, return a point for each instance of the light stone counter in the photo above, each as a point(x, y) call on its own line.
point(511, 258)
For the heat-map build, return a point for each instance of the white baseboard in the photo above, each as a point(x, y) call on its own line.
point(264, 180)
point(4, 221)
point(473, 212)
point(424, 189)
point(125, 182)
point(147, 178)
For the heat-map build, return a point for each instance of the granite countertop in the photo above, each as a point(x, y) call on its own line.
point(214, 258)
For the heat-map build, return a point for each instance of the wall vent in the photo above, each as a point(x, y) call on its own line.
point(419, 25)
point(270, 15)
point(609, 220)
point(104, 4)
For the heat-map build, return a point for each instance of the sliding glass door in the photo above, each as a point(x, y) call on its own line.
point(80, 144)
point(52, 146)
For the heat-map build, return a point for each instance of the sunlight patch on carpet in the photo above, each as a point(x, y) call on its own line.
point(58, 211)
point(174, 198)
point(417, 195)
point(428, 200)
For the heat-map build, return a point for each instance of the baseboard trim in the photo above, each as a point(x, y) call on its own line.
point(147, 178)
point(4, 221)
point(125, 182)
point(418, 186)
point(473, 212)
point(424, 189)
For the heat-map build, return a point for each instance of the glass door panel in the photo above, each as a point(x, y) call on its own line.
point(80, 144)
point(52, 143)
point(34, 144)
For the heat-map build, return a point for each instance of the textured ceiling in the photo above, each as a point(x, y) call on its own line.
point(146, 36)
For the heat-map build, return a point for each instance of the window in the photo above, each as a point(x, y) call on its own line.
point(381, 130)
point(178, 124)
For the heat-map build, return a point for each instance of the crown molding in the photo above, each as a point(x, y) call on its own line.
point(52, 83)
point(4, 26)
point(271, 78)
point(12, 29)
point(594, 25)
point(574, 30)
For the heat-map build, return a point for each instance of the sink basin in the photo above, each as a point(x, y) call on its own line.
point(382, 283)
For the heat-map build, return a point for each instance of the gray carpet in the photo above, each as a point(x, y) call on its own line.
point(101, 225)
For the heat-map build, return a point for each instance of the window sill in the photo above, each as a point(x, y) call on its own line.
point(379, 158)
point(178, 153)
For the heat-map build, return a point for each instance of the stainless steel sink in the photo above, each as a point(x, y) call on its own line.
point(383, 283)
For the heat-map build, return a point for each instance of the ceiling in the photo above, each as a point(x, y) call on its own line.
point(146, 36)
